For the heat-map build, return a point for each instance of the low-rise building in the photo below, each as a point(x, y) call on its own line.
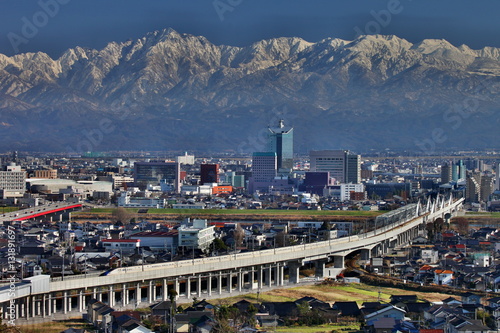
point(121, 245)
point(196, 235)
point(158, 240)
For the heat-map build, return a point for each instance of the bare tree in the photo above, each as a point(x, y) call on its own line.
point(438, 225)
point(122, 215)
point(238, 235)
point(280, 239)
point(462, 225)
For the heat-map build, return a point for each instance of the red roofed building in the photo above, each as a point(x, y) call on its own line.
point(425, 269)
point(447, 235)
point(443, 277)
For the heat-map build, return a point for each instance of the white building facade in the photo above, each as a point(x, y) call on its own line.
point(197, 235)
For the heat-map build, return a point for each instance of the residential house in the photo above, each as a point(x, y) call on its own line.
point(452, 302)
point(390, 311)
point(370, 307)
point(395, 299)
point(266, 320)
point(380, 325)
point(347, 309)
point(461, 324)
point(128, 322)
point(314, 303)
point(99, 314)
point(282, 309)
point(415, 310)
point(492, 280)
point(470, 298)
point(443, 277)
point(184, 322)
point(162, 309)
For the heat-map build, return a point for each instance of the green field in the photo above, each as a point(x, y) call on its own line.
point(485, 214)
point(262, 212)
point(8, 209)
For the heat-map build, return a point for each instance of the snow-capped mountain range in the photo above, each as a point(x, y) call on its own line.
point(169, 91)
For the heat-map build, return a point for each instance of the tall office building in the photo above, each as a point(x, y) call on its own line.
point(353, 168)
point(473, 187)
point(343, 165)
point(446, 174)
point(154, 173)
point(12, 181)
point(458, 171)
point(281, 143)
point(263, 171)
point(487, 187)
point(209, 173)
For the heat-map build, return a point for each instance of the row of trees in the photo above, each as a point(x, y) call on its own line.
point(438, 226)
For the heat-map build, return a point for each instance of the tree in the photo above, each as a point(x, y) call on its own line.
point(172, 294)
point(250, 315)
point(280, 239)
point(462, 225)
point(438, 225)
point(223, 315)
point(429, 227)
point(123, 215)
point(238, 235)
point(326, 226)
point(218, 245)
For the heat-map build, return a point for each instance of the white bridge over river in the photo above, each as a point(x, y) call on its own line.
point(127, 287)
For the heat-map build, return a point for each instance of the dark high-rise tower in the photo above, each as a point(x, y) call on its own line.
point(281, 143)
point(209, 173)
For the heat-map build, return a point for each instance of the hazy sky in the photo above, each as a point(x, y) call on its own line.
point(53, 26)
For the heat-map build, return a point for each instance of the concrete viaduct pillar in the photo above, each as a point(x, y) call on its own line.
point(240, 280)
point(165, 290)
point(319, 267)
point(293, 271)
point(269, 276)
point(338, 261)
point(260, 277)
point(81, 301)
point(198, 287)
point(209, 285)
point(65, 302)
point(138, 294)
point(281, 274)
point(251, 277)
point(125, 295)
point(219, 283)
point(188, 287)
point(111, 297)
point(229, 282)
point(177, 287)
point(365, 254)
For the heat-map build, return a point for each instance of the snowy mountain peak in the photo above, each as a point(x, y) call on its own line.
point(176, 79)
